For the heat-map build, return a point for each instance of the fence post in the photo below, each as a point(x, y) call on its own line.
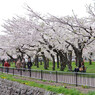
point(76, 78)
point(30, 72)
point(56, 77)
point(41, 74)
point(13, 71)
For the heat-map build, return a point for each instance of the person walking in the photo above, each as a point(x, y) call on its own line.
point(6, 65)
point(23, 64)
point(29, 63)
point(18, 64)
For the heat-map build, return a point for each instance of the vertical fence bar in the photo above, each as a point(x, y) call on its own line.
point(56, 77)
point(30, 72)
point(89, 80)
point(41, 74)
point(76, 78)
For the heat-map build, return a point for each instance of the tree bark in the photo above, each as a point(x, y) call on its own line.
point(57, 60)
point(78, 52)
point(45, 63)
point(90, 57)
point(53, 58)
point(63, 60)
point(79, 58)
point(36, 61)
point(62, 63)
point(47, 60)
point(69, 60)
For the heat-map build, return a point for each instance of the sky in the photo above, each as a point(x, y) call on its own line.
point(10, 8)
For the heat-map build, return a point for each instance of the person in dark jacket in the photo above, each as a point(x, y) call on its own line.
point(29, 63)
point(76, 69)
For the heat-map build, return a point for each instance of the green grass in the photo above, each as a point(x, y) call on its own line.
point(53, 88)
point(90, 68)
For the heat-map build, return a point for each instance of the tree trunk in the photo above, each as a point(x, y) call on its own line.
point(69, 60)
point(79, 58)
point(62, 64)
point(47, 60)
point(45, 63)
point(22, 56)
point(53, 58)
point(90, 57)
point(57, 60)
point(36, 61)
point(63, 61)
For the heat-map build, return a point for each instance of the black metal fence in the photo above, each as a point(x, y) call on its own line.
point(77, 78)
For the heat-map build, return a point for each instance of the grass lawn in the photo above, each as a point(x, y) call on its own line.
point(53, 88)
point(90, 68)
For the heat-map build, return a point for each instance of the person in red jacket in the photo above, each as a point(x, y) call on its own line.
point(6, 65)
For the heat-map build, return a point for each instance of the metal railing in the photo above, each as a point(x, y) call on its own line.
point(77, 78)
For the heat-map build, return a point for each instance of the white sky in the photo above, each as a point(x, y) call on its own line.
point(10, 8)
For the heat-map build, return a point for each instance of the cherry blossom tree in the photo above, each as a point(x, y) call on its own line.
point(50, 37)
